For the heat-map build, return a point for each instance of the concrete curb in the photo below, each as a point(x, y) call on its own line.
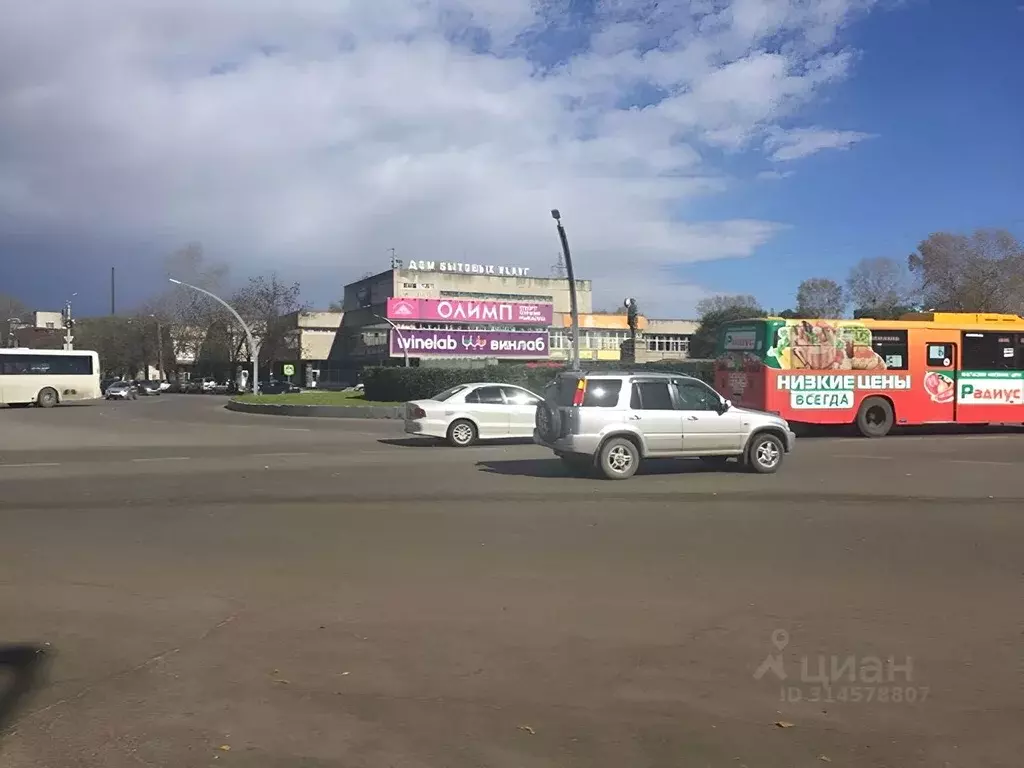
point(322, 411)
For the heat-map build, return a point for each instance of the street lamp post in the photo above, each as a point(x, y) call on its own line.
point(248, 333)
point(405, 346)
point(573, 306)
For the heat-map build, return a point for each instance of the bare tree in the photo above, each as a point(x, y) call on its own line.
point(983, 272)
point(120, 341)
point(264, 304)
point(189, 315)
point(12, 314)
point(820, 297)
point(724, 302)
point(880, 286)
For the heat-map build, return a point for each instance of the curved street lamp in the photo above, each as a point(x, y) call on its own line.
point(573, 306)
point(405, 345)
point(248, 333)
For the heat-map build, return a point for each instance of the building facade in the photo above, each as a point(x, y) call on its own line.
point(451, 313)
point(422, 309)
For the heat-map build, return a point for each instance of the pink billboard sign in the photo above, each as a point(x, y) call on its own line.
point(470, 311)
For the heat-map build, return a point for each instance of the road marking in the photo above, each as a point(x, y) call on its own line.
point(979, 461)
point(164, 458)
point(262, 455)
point(34, 464)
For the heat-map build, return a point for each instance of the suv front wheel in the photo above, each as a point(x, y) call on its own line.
point(765, 453)
point(619, 459)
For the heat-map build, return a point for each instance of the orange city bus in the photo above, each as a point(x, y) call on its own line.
point(925, 368)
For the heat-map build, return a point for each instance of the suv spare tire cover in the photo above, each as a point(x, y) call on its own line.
point(549, 421)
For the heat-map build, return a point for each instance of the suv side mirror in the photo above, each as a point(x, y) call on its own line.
point(724, 406)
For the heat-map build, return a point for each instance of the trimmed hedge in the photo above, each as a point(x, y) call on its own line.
point(396, 384)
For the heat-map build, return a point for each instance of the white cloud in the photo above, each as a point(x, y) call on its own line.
point(774, 175)
point(797, 143)
point(320, 133)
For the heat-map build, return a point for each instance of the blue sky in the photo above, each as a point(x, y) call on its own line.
point(942, 85)
point(447, 129)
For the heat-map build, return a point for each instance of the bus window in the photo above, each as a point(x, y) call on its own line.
point(989, 351)
point(940, 355)
point(891, 346)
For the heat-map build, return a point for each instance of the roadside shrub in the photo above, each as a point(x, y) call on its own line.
point(399, 384)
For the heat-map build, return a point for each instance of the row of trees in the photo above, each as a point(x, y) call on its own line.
point(981, 272)
point(179, 322)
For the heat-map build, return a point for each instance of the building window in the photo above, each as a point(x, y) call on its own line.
point(668, 343)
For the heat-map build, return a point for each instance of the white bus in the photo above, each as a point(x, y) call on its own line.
point(47, 377)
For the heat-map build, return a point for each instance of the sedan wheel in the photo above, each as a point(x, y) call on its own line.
point(462, 433)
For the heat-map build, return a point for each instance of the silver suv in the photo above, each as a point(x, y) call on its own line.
point(614, 420)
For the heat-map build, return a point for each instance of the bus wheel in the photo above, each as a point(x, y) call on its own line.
point(47, 398)
point(875, 417)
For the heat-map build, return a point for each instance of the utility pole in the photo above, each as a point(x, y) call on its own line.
point(69, 325)
point(113, 306)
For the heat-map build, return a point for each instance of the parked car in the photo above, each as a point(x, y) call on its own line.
point(148, 388)
point(105, 384)
point(277, 387)
point(121, 390)
point(612, 421)
point(470, 412)
point(164, 385)
point(192, 386)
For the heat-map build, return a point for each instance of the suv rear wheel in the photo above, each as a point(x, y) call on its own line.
point(619, 459)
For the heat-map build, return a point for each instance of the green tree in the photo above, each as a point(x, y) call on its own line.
point(714, 313)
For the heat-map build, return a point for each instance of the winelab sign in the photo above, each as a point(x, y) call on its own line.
point(420, 342)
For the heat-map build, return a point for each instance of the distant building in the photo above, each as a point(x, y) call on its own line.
point(452, 313)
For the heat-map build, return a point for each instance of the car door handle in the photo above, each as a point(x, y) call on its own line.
point(692, 418)
point(634, 418)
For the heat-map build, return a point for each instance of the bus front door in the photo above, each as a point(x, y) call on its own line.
point(940, 382)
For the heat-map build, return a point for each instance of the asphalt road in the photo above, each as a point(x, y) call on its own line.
point(223, 589)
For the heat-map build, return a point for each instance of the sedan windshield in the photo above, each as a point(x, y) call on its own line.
point(448, 393)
